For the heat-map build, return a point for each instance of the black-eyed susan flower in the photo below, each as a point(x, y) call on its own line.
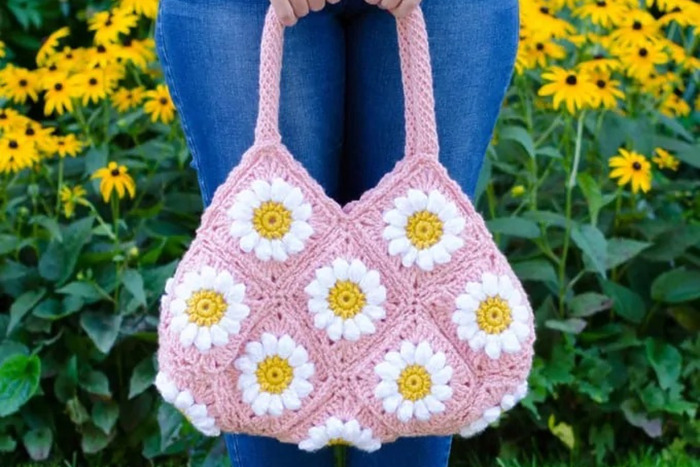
point(10, 118)
point(69, 60)
point(640, 60)
point(138, 52)
point(58, 94)
point(673, 105)
point(630, 167)
point(19, 84)
point(606, 90)
point(49, 46)
point(542, 14)
point(90, 85)
point(599, 62)
point(125, 99)
point(109, 24)
point(102, 55)
point(605, 13)
point(539, 53)
point(70, 197)
point(147, 8)
point(665, 160)
point(567, 86)
point(68, 145)
point(684, 13)
point(637, 26)
point(114, 178)
point(38, 135)
point(159, 104)
point(16, 153)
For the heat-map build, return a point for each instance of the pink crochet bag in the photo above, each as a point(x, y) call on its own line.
point(293, 317)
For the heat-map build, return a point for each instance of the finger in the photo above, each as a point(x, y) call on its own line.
point(332, 2)
point(284, 12)
point(405, 8)
point(373, 2)
point(389, 4)
point(301, 8)
point(316, 5)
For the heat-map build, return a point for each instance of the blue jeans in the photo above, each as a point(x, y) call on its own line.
point(341, 116)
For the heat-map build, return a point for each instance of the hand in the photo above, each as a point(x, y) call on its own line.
point(289, 11)
point(398, 8)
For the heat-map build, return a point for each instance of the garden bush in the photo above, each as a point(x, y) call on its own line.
point(590, 186)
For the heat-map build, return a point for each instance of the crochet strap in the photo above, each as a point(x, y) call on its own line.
point(417, 78)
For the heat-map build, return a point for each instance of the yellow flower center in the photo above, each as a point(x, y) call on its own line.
point(206, 307)
point(272, 220)
point(494, 315)
point(337, 442)
point(424, 229)
point(414, 382)
point(274, 374)
point(346, 299)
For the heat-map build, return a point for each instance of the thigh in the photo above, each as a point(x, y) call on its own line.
point(472, 46)
point(250, 451)
point(423, 451)
point(210, 52)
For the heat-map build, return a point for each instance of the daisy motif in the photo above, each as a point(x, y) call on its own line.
point(423, 229)
point(271, 219)
point(207, 308)
point(346, 298)
point(334, 432)
point(415, 381)
point(492, 316)
point(491, 414)
point(196, 413)
point(275, 375)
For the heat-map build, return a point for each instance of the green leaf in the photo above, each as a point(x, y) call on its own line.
point(102, 328)
point(686, 316)
point(38, 443)
point(10, 348)
point(676, 286)
point(521, 136)
point(23, 305)
point(76, 411)
point(50, 225)
point(548, 218)
point(19, 380)
point(626, 302)
point(95, 382)
point(621, 250)
point(588, 304)
point(593, 244)
point(514, 226)
point(105, 415)
point(170, 422)
point(536, 270)
point(569, 326)
point(85, 290)
point(66, 381)
point(8, 243)
point(652, 427)
point(94, 440)
point(7, 444)
point(59, 259)
point(591, 191)
point(142, 378)
point(666, 361)
point(133, 282)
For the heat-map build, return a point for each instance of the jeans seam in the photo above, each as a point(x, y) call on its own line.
point(236, 451)
point(165, 61)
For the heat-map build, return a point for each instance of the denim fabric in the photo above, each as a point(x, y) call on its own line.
point(341, 117)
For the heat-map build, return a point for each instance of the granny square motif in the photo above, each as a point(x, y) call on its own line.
point(293, 317)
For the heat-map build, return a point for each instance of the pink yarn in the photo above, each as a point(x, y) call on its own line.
point(419, 304)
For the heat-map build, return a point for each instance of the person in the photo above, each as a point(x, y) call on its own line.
point(341, 116)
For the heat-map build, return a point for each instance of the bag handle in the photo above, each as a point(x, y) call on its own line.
point(416, 73)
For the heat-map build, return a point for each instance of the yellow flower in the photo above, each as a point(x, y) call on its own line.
point(114, 177)
point(664, 160)
point(147, 8)
point(109, 24)
point(40, 136)
point(538, 53)
point(631, 167)
point(18, 84)
point(674, 105)
point(637, 26)
point(10, 118)
point(70, 197)
point(16, 153)
point(48, 47)
point(138, 52)
point(69, 60)
point(606, 13)
point(125, 99)
point(606, 90)
point(541, 14)
point(58, 93)
point(599, 63)
point(102, 55)
point(91, 85)
point(569, 87)
point(517, 191)
point(159, 105)
point(68, 145)
point(641, 59)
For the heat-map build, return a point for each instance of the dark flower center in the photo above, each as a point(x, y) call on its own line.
point(115, 172)
point(643, 52)
point(539, 46)
point(3, 116)
point(637, 166)
point(13, 144)
point(30, 131)
point(677, 92)
point(69, 56)
point(127, 42)
point(58, 86)
point(23, 82)
point(53, 68)
point(636, 25)
point(163, 101)
point(598, 56)
point(601, 84)
point(571, 80)
point(544, 10)
point(101, 49)
point(93, 81)
point(601, 4)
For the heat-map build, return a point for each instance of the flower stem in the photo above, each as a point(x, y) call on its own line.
point(59, 186)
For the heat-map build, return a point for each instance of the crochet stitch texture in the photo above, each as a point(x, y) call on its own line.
point(293, 317)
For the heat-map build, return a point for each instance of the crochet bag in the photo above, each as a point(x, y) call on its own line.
point(293, 317)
